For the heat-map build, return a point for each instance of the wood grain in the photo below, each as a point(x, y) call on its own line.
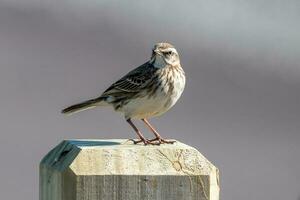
point(120, 170)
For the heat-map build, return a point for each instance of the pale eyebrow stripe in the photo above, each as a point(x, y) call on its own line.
point(170, 49)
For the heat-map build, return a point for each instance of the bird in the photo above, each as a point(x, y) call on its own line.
point(147, 91)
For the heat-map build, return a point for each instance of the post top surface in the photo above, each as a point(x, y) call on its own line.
point(121, 156)
point(121, 144)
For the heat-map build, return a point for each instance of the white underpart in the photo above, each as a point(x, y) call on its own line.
point(150, 107)
point(179, 84)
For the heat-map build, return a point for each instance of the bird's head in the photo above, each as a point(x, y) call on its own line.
point(164, 54)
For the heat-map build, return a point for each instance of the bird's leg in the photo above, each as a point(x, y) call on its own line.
point(157, 135)
point(142, 138)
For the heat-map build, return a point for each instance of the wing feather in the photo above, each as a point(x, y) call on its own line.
point(132, 82)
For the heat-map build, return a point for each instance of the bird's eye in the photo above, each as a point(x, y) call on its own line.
point(168, 52)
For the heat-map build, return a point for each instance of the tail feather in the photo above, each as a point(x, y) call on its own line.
point(81, 106)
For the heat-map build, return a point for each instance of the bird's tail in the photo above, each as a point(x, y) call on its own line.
point(82, 106)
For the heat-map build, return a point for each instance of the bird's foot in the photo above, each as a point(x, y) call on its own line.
point(145, 141)
point(162, 141)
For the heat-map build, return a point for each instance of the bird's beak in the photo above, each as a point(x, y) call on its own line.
point(157, 52)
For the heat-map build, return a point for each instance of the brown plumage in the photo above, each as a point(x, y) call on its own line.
point(147, 91)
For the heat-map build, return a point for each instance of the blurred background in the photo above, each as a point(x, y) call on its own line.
point(241, 106)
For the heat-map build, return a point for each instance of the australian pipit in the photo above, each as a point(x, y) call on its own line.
point(147, 91)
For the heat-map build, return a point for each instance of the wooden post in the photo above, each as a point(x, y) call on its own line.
point(120, 170)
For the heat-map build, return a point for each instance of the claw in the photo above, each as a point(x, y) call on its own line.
point(162, 141)
point(146, 142)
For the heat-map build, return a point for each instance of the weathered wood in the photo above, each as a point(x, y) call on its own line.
point(120, 170)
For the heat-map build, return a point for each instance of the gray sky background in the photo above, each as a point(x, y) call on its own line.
point(241, 106)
